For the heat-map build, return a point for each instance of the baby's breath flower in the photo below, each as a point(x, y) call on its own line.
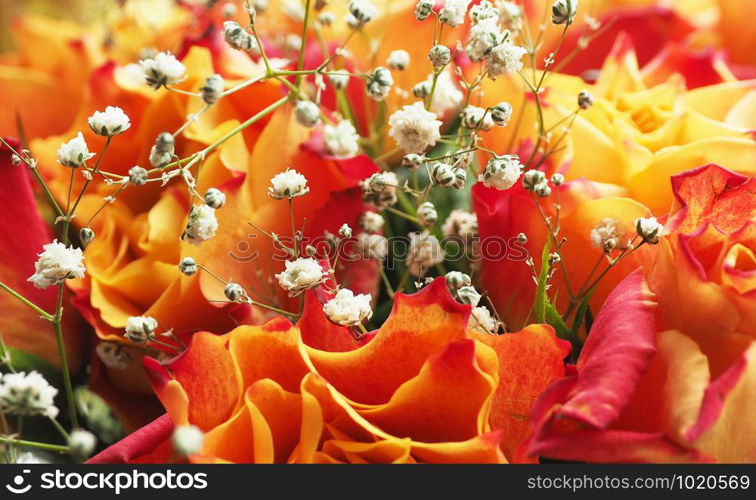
point(427, 214)
point(307, 113)
point(607, 235)
point(371, 222)
point(326, 18)
point(113, 355)
point(234, 292)
point(510, 14)
point(15, 160)
point(362, 10)
point(461, 224)
point(372, 246)
point(557, 179)
point(300, 275)
point(456, 280)
point(474, 118)
point(542, 190)
point(484, 35)
point(74, 153)
point(288, 184)
point(442, 174)
point(27, 394)
point(86, 235)
point(398, 59)
point(201, 225)
point(341, 140)
point(468, 295)
point(380, 189)
point(188, 266)
point(238, 38)
point(187, 440)
point(585, 99)
point(339, 78)
point(423, 9)
point(460, 178)
point(345, 231)
point(501, 114)
point(413, 161)
point(260, 6)
point(81, 443)
point(212, 90)
point(158, 159)
point(446, 95)
point(378, 84)
point(163, 69)
point(453, 12)
point(422, 90)
point(348, 309)
point(413, 128)
point(57, 263)
point(532, 178)
point(505, 59)
point(138, 175)
point(482, 321)
point(424, 252)
point(501, 172)
point(439, 56)
point(649, 229)
point(140, 329)
point(563, 11)
point(112, 121)
point(215, 198)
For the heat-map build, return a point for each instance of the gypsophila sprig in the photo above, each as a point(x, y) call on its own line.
point(75, 152)
point(27, 394)
point(348, 309)
point(341, 140)
point(501, 172)
point(163, 69)
point(140, 329)
point(372, 246)
point(112, 121)
point(307, 113)
point(398, 60)
point(413, 128)
point(82, 443)
point(378, 84)
point(300, 275)
point(649, 229)
point(563, 11)
point(201, 224)
point(212, 90)
point(56, 264)
point(453, 12)
point(505, 59)
point(424, 252)
point(188, 266)
point(288, 184)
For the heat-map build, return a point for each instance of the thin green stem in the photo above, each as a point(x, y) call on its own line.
point(58, 324)
point(34, 444)
point(39, 310)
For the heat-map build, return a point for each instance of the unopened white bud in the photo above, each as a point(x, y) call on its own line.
point(213, 89)
point(468, 295)
point(234, 292)
point(362, 10)
point(140, 329)
point(542, 190)
point(501, 114)
point(439, 56)
point(378, 84)
point(398, 59)
point(371, 222)
point(557, 179)
point(563, 11)
point(442, 174)
point(456, 280)
point(413, 161)
point(215, 198)
point(427, 214)
point(188, 266)
point(81, 443)
point(307, 113)
point(339, 78)
point(421, 90)
point(326, 18)
point(345, 231)
point(585, 99)
point(649, 229)
point(138, 175)
point(187, 440)
point(86, 235)
point(164, 142)
point(532, 178)
point(475, 118)
point(238, 38)
point(15, 160)
point(423, 9)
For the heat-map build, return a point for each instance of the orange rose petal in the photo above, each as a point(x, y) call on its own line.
point(318, 332)
point(231, 441)
point(282, 411)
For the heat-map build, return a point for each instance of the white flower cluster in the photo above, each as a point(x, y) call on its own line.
point(27, 394)
point(57, 263)
point(288, 184)
point(301, 274)
point(341, 140)
point(140, 329)
point(348, 309)
point(163, 69)
point(413, 128)
point(201, 224)
point(453, 12)
point(608, 235)
point(502, 172)
point(74, 153)
point(112, 121)
point(424, 252)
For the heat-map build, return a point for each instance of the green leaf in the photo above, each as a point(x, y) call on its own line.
point(554, 319)
point(541, 297)
point(582, 314)
point(25, 362)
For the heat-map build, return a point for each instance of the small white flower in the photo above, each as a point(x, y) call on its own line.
point(212, 90)
point(607, 235)
point(501, 114)
point(163, 69)
point(563, 11)
point(162, 151)
point(339, 78)
point(380, 189)
point(483, 11)
point(301, 274)
point(371, 222)
point(112, 121)
point(453, 12)
point(468, 295)
point(456, 280)
point(461, 224)
point(557, 179)
point(378, 84)
point(439, 56)
point(413, 128)
point(482, 321)
point(649, 229)
point(307, 113)
point(532, 178)
point(187, 440)
point(475, 118)
point(341, 140)
point(484, 36)
point(158, 159)
point(427, 214)
point(345, 231)
point(288, 184)
point(398, 59)
point(57, 263)
point(413, 161)
point(423, 9)
point(86, 234)
point(585, 99)
point(372, 246)
point(501, 172)
point(234, 292)
point(215, 198)
point(348, 309)
point(442, 174)
point(542, 190)
point(188, 266)
point(27, 394)
point(362, 10)
point(510, 14)
point(138, 175)
point(505, 59)
point(74, 153)
point(82, 443)
point(239, 38)
point(140, 329)
point(424, 252)
point(326, 18)
point(201, 224)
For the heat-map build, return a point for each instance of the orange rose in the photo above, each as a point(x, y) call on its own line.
point(417, 391)
point(669, 369)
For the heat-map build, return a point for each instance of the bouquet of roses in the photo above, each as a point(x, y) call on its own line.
point(385, 231)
